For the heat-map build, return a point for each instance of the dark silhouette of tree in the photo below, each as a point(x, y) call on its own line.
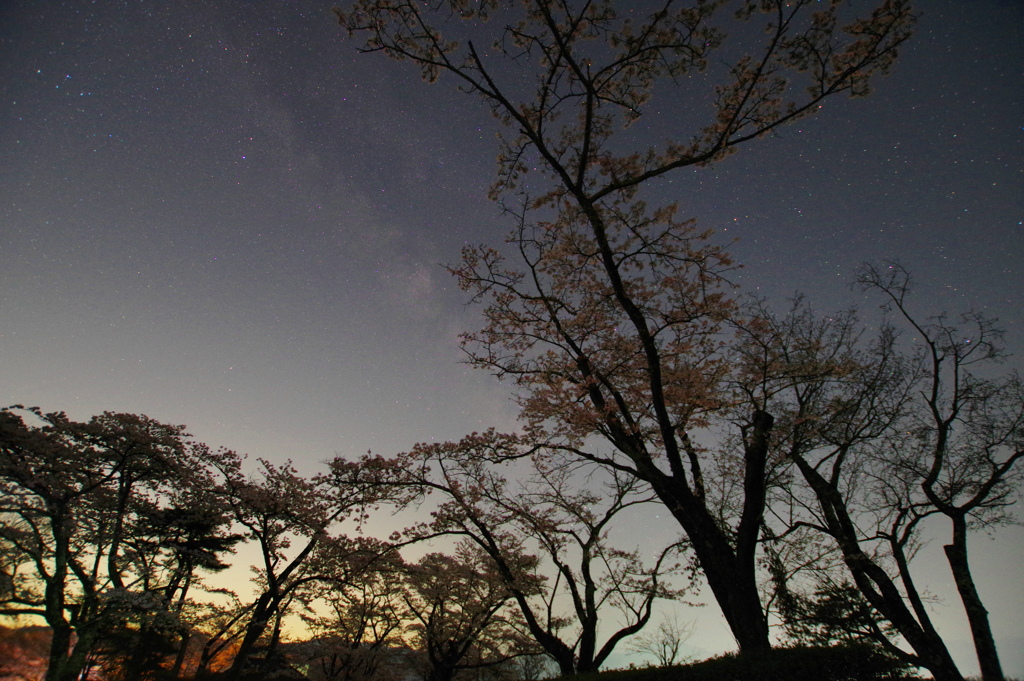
point(459, 617)
point(889, 435)
point(292, 519)
point(356, 622)
point(190, 534)
point(548, 537)
point(609, 320)
point(836, 397)
point(957, 451)
point(665, 642)
point(218, 627)
point(836, 614)
point(75, 496)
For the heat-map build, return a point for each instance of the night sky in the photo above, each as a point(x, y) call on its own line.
point(219, 214)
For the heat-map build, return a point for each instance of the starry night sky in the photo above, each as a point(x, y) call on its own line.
point(219, 214)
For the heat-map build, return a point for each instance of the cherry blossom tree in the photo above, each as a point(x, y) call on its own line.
point(190, 534)
point(106, 525)
point(277, 509)
point(958, 451)
point(608, 320)
point(75, 496)
point(293, 519)
point(888, 435)
point(548, 538)
point(836, 397)
point(356, 621)
point(458, 607)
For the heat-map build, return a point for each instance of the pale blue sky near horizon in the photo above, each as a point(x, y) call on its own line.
point(219, 214)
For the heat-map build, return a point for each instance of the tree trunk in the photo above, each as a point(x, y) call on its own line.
point(730, 571)
point(977, 615)
point(275, 637)
point(261, 615)
point(440, 671)
point(874, 582)
point(734, 587)
point(60, 647)
point(738, 596)
point(179, 659)
point(556, 649)
point(71, 666)
point(60, 641)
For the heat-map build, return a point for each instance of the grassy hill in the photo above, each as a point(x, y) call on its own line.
point(841, 663)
